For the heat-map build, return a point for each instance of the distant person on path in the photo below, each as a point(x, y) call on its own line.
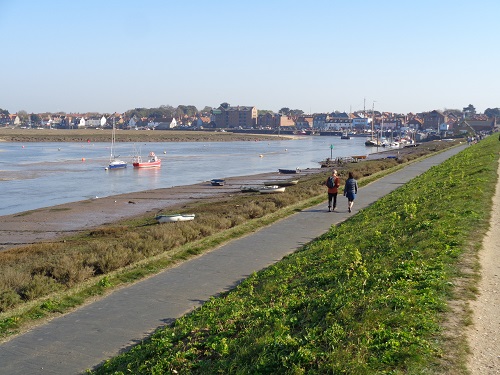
point(333, 183)
point(350, 190)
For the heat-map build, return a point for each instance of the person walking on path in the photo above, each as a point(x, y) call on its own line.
point(350, 190)
point(333, 183)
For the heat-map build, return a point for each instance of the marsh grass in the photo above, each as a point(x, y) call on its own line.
point(39, 280)
point(370, 296)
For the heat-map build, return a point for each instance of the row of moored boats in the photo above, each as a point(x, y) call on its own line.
point(269, 187)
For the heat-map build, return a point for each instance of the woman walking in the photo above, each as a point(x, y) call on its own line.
point(350, 190)
point(333, 183)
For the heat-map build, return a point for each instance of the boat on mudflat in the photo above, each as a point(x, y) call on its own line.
point(174, 218)
point(272, 189)
point(152, 162)
point(289, 171)
point(217, 182)
point(281, 183)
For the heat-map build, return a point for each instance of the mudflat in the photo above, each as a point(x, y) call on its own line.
point(51, 223)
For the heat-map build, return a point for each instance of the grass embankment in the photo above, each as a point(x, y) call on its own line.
point(94, 135)
point(47, 279)
point(370, 296)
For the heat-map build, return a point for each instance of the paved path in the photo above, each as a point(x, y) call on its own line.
point(86, 337)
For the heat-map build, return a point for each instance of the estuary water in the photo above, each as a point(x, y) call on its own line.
point(36, 175)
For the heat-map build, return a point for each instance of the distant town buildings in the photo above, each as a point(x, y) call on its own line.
point(248, 117)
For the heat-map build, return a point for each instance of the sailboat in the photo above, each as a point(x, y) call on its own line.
point(114, 162)
point(371, 141)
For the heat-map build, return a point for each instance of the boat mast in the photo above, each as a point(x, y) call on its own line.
point(112, 138)
point(373, 116)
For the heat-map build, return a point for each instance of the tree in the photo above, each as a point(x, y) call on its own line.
point(261, 112)
point(155, 113)
point(189, 110)
point(296, 112)
point(4, 112)
point(206, 110)
point(492, 112)
point(284, 111)
point(35, 118)
point(23, 116)
point(469, 110)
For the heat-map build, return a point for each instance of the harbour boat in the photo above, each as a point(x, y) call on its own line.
point(152, 162)
point(174, 218)
point(289, 171)
point(114, 161)
point(281, 183)
point(373, 142)
point(345, 136)
point(218, 182)
point(392, 144)
point(272, 189)
point(359, 157)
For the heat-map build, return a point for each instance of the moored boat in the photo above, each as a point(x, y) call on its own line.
point(152, 162)
point(174, 217)
point(114, 161)
point(345, 136)
point(372, 142)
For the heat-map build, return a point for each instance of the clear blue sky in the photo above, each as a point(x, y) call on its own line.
point(317, 56)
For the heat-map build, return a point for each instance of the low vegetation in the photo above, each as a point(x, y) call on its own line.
point(370, 296)
point(47, 279)
point(93, 135)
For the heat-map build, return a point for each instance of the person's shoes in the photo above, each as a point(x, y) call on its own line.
point(329, 209)
point(349, 210)
point(333, 209)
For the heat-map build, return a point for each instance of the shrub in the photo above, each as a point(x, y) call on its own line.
point(8, 299)
point(69, 270)
point(115, 257)
point(38, 286)
point(11, 278)
point(253, 210)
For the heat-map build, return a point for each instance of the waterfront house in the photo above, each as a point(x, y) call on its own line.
point(163, 124)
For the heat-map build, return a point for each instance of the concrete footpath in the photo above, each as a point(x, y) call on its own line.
point(93, 333)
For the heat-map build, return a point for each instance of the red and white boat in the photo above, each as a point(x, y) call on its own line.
point(152, 162)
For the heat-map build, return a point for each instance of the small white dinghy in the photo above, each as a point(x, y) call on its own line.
point(281, 183)
point(174, 217)
point(272, 189)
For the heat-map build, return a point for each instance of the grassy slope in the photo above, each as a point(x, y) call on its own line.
point(368, 297)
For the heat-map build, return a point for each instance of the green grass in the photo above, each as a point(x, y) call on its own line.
point(370, 296)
